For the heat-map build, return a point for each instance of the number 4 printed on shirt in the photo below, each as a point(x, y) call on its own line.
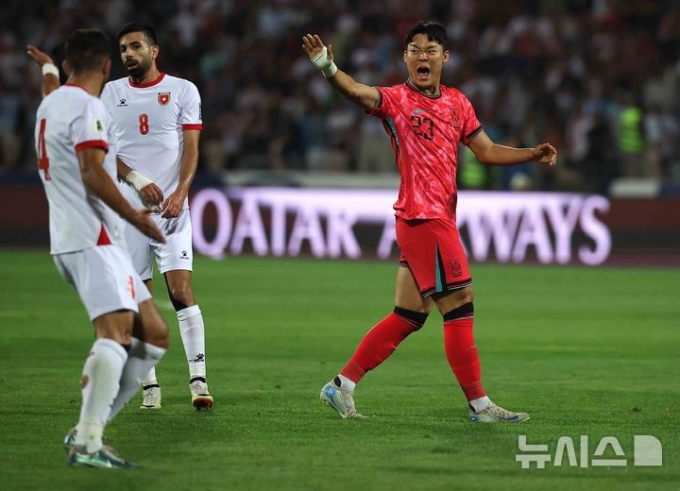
point(43, 160)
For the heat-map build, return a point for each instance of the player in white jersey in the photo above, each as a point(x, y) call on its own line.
point(157, 118)
point(77, 164)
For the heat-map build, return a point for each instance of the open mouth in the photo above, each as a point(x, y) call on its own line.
point(131, 65)
point(423, 72)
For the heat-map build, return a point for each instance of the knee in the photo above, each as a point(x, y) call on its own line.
point(181, 296)
point(160, 336)
point(152, 326)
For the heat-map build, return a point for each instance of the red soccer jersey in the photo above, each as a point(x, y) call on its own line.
point(425, 132)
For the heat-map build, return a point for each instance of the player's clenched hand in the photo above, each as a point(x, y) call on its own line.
point(143, 222)
point(313, 45)
point(40, 57)
point(545, 153)
point(172, 206)
point(152, 194)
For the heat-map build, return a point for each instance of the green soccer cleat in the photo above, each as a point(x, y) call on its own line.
point(496, 414)
point(340, 400)
point(102, 459)
point(200, 396)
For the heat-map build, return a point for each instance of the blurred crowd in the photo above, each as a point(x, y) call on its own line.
point(597, 78)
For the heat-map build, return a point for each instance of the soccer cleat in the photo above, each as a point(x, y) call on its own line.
point(200, 396)
point(496, 414)
point(103, 458)
point(152, 397)
point(340, 400)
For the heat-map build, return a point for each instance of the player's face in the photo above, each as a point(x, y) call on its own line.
point(424, 60)
point(137, 54)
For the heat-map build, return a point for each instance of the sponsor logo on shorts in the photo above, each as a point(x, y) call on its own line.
point(185, 255)
point(456, 268)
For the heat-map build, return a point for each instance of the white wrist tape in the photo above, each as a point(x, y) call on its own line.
point(138, 180)
point(50, 68)
point(321, 61)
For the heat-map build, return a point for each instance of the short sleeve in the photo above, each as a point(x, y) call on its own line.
point(387, 101)
point(471, 125)
point(191, 117)
point(89, 128)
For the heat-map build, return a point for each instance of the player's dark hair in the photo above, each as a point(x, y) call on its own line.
point(87, 49)
point(149, 32)
point(433, 30)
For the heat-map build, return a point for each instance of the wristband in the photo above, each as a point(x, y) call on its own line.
point(138, 180)
point(321, 61)
point(50, 69)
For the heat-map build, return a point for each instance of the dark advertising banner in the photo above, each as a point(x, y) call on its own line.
point(546, 228)
point(549, 228)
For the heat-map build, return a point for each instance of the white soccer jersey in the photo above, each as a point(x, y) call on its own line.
point(68, 120)
point(149, 120)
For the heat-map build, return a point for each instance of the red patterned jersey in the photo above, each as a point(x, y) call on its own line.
point(425, 132)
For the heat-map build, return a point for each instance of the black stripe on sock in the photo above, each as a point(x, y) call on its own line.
point(415, 318)
point(465, 310)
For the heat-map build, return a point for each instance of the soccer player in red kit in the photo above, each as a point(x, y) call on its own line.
point(425, 121)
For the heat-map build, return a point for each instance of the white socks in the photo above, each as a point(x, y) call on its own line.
point(193, 338)
point(192, 331)
point(346, 384)
point(101, 376)
point(141, 357)
point(480, 404)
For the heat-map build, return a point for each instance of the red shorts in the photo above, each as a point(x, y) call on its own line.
point(432, 250)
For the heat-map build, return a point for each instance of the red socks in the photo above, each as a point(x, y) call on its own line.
point(381, 341)
point(461, 350)
point(459, 344)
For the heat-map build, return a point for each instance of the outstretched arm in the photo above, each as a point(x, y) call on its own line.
point(322, 57)
point(491, 153)
point(50, 81)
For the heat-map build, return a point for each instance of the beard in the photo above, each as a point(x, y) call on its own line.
point(139, 71)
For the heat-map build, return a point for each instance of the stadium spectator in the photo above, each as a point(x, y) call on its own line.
point(577, 52)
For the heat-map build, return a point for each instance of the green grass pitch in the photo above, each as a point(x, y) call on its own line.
point(591, 352)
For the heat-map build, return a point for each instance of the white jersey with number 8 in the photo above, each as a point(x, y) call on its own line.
point(149, 120)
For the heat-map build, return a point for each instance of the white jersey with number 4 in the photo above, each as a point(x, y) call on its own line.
point(149, 121)
point(69, 120)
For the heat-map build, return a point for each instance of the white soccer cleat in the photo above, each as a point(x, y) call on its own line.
point(496, 414)
point(200, 396)
point(152, 397)
point(340, 400)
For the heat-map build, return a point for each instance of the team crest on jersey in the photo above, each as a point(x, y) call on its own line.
point(163, 98)
point(455, 118)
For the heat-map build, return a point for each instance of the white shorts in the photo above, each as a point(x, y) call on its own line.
point(177, 252)
point(104, 278)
